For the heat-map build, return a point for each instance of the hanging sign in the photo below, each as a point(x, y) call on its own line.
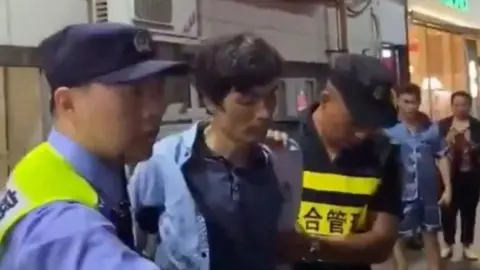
point(460, 5)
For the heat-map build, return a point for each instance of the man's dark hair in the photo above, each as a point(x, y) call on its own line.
point(463, 94)
point(408, 89)
point(236, 62)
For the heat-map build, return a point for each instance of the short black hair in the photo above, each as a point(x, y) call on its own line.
point(463, 94)
point(408, 89)
point(236, 62)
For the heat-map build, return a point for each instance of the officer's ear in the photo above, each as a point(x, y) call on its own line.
point(326, 96)
point(62, 99)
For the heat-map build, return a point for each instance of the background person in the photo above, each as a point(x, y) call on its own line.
point(421, 147)
point(462, 133)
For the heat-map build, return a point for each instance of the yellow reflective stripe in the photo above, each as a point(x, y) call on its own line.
point(41, 177)
point(325, 219)
point(340, 183)
point(45, 170)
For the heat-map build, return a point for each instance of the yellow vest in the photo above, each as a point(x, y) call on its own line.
point(324, 217)
point(41, 177)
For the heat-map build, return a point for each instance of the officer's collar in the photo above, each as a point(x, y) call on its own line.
point(87, 165)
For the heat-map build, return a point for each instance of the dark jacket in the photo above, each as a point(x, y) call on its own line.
point(444, 126)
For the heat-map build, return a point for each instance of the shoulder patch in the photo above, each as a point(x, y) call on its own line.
point(12, 203)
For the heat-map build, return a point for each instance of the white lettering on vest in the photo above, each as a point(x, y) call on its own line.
point(8, 201)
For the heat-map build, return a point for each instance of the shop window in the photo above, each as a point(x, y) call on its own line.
point(439, 57)
point(438, 65)
point(459, 64)
point(417, 48)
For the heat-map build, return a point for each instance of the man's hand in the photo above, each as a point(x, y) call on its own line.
point(276, 139)
point(293, 246)
point(446, 197)
point(451, 135)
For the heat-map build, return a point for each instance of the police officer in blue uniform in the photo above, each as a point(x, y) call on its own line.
point(108, 101)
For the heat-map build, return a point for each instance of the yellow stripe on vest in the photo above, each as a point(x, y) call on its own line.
point(41, 177)
point(340, 183)
point(326, 218)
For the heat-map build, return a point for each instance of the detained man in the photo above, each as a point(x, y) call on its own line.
point(214, 184)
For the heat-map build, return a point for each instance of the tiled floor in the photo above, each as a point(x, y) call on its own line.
point(418, 263)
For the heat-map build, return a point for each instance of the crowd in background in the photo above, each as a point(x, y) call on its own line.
point(440, 178)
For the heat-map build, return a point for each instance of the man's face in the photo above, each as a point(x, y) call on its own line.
point(408, 104)
point(122, 120)
point(461, 106)
point(337, 124)
point(246, 117)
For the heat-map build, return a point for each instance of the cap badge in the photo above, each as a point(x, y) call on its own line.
point(142, 42)
point(379, 93)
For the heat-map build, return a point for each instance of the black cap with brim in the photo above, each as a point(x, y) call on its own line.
point(110, 53)
point(365, 87)
point(143, 70)
point(370, 115)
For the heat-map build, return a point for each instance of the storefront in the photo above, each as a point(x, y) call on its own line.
point(443, 55)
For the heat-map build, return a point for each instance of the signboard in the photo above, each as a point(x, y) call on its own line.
point(460, 5)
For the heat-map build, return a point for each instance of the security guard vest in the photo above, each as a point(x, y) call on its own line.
point(336, 194)
point(335, 204)
point(43, 176)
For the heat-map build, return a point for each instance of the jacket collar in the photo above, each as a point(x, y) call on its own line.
point(187, 144)
point(187, 141)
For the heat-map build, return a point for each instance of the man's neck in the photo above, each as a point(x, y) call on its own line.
point(69, 131)
point(410, 121)
point(460, 118)
point(331, 148)
point(220, 144)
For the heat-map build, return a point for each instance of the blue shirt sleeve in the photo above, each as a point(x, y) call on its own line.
point(68, 236)
point(146, 192)
point(146, 186)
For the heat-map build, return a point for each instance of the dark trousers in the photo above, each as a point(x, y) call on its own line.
point(465, 196)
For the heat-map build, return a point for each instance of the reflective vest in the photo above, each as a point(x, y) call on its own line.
point(334, 204)
point(41, 177)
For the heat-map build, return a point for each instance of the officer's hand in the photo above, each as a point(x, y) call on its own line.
point(293, 246)
point(276, 139)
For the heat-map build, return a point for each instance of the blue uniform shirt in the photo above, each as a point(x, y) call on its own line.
point(419, 150)
point(70, 236)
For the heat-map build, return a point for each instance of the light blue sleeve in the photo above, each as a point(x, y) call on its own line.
point(68, 236)
point(393, 134)
point(145, 186)
point(146, 189)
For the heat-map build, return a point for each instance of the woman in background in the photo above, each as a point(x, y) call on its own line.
point(462, 133)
